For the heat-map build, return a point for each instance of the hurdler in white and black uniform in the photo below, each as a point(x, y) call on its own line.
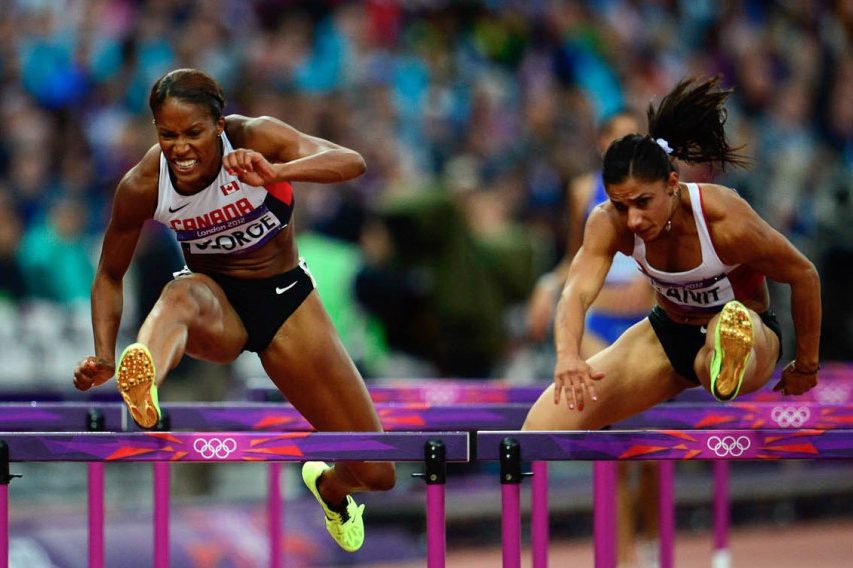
point(702, 290)
point(233, 218)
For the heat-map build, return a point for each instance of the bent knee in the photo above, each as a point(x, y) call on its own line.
point(184, 294)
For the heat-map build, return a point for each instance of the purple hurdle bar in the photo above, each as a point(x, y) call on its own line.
point(665, 445)
point(259, 417)
point(163, 447)
point(835, 387)
point(421, 416)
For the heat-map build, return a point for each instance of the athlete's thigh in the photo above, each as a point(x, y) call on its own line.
point(308, 363)
point(637, 376)
point(216, 333)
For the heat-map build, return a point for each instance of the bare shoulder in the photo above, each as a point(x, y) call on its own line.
point(733, 223)
point(136, 194)
point(605, 230)
point(257, 132)
point(720, 203)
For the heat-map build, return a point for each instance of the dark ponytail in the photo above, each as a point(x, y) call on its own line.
point(690, 120)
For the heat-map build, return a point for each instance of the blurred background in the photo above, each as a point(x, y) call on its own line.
point(473, 117)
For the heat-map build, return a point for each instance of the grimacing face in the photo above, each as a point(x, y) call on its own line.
point(189, 138)
point(645, 206)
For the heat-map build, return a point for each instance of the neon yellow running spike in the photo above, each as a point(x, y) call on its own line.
point(348, 529)
point(733, 339)
point(138, 385)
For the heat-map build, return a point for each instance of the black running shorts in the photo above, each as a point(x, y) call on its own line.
point(682, 342)
point(265, 304)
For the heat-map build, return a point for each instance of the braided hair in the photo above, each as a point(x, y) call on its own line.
point(689, 123)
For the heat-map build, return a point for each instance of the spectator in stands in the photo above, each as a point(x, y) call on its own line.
point(55, 255)
point(12, 285)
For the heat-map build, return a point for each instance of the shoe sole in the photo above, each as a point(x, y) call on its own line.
point(137, 385)
point(733, 343)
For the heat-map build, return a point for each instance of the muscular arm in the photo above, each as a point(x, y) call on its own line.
point(572, 375)
point(585, 278)
point(135, 201)
point(291, 155)
point(743, 237)
point(540, 306)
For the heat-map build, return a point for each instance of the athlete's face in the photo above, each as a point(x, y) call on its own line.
point(189, 138)
point(645, 206)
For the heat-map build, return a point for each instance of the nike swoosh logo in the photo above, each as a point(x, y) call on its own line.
point(176, 209)
point(285, 289)
point(703, 330)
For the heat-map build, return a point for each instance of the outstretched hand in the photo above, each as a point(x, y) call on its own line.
point(575, 377)
point(250, 167)
point(796, 381)
point(92, 372)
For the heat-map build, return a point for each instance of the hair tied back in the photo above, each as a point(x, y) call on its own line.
point(664, 145)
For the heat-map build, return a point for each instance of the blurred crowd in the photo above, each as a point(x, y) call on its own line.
point(472, 117)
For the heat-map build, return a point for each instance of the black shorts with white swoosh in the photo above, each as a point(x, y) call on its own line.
point(265, 304)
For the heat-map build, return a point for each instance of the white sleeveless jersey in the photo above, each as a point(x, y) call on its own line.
point(705, 288)
point(226, 217)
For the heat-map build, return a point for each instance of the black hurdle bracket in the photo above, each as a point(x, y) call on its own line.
point(5, 476)
point(95, 421)
point(435, 462)
point(511, 462)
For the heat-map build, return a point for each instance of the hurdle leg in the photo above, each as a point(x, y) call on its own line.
point(436, 480)
point(5, 478)
point(539, 514)
point(722, 556)
point(95, 480)
point(161, 515)
point(667, 513)
point(604, 513)
point(274, 514)
point(511, 503)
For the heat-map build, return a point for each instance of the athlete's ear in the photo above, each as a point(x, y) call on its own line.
point(220, 125)
point(672, 182)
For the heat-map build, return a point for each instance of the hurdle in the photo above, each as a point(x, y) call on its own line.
point(433, 448)
point(664, 445)
point(245, 416)
point(686, 416)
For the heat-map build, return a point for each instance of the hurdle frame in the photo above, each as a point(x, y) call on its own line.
point(666, 446)
point(162, 447)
